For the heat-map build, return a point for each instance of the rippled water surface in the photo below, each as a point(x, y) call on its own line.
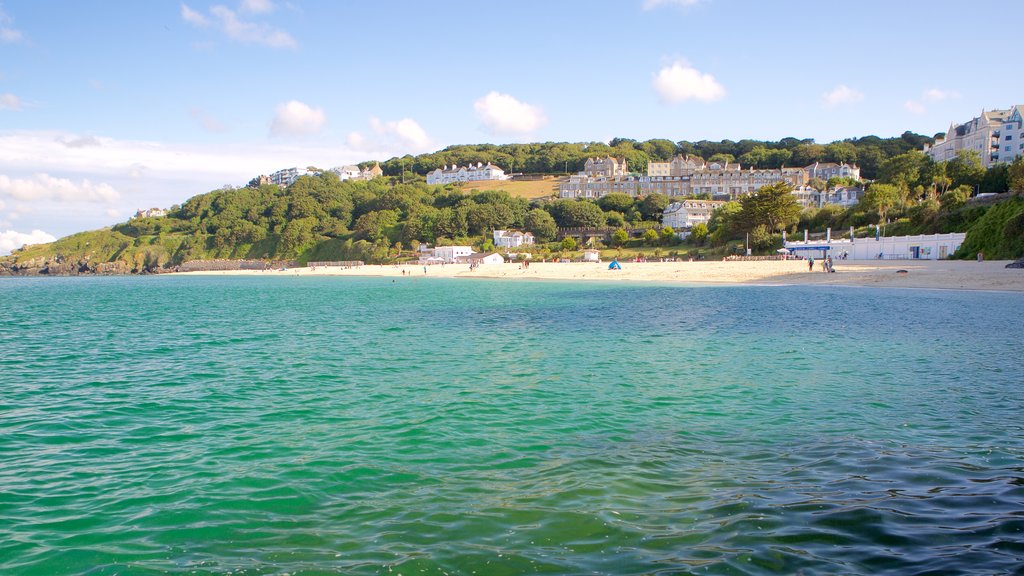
point(364, 426)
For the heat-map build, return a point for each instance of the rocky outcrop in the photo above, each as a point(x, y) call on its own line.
point(60, 266)
point(1017, 264)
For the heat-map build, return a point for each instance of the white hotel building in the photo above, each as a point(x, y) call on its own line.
point(469, 173)
point(996, 135)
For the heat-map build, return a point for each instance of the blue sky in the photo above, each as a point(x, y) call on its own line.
point(107, 107)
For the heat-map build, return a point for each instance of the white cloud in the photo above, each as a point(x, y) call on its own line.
point(11, 240)
point(79, 141)
point(192, 17)
point(208, 122)
point(250, 32)
point(652, 4)
point(407, 130)
point(295, 118)
point(680, 82)
point(256, 6)
point(936, 95)
point(503, 114)
point(842, 94)
point(355, 140)
point(8, 34)
point(113, 212)
point(393, 138)
point(9, 102)
point(914, 107)
point(46, 187)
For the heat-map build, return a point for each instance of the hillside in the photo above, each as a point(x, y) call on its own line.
point(323, 218)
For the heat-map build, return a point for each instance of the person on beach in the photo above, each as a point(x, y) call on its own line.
point(810, 264)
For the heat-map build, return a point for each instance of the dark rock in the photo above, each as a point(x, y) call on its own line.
point(1017, 264)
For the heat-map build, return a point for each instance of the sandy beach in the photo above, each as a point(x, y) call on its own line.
point(929, 274)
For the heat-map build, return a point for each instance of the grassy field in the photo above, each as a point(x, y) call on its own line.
point(528, 189)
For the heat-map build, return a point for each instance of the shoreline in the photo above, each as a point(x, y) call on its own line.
point(924, 274)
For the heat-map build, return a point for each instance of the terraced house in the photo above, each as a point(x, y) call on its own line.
point(682, 176)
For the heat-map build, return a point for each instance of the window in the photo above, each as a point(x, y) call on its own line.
point(1008, 148)
point(1009, 137)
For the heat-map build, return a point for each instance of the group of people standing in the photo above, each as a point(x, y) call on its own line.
point(826, 264)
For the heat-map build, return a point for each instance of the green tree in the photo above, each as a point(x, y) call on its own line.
point(699, 233)
point(375, 225)
point(881, 198)
point(965, 169)
point(668, 236)
point(651, 237)
point(568, 243)
point(576, 214)
point(760, 238)
point(541, 225)
point(653, 205)
point(620, 237)
point(616, 201)
point(773, 206)
point(1015, 176)
point(841, 152)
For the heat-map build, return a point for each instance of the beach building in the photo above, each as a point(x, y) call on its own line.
point(921, 247)
point(686, 214)
point(512, 239)
point(996, 135)
point(485, 258)
point(444, 254)
point(469, 173)
point(591, 255)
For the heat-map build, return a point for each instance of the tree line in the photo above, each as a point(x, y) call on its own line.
point(868, 152)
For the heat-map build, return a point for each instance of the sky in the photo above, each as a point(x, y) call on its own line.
point(110, 106)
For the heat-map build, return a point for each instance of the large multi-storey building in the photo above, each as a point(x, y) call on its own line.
point(606, 167)
point(682, 176)
point(826, 170)
point(686, 214)
point(996, 135)
point(469, 173)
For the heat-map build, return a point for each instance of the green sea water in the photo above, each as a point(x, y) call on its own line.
point(206, 425)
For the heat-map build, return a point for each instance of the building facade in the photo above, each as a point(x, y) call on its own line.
point(686, 214)
point(923, 247)
point(469, 173)
point(826, 170)
point(995, 135)
point(682, 176)
point(512, 239)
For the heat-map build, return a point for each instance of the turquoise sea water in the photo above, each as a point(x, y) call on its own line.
point(426, 426)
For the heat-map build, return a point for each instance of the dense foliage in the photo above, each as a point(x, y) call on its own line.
point(869, 152)
point(322, 218)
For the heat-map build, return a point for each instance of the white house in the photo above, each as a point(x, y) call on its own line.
point(485, 258)
point(444, 254)
point(286, 177)
point(686, 214)
point(512, 239)
point(591, 255)
point(150, 213)
point(469, 173)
